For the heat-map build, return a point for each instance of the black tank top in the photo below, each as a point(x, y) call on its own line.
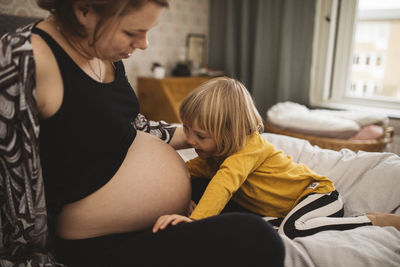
point(84, 143)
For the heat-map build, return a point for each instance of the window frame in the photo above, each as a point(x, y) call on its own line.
point(332, 60)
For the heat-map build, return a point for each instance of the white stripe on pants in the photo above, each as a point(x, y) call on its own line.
point(310, 216)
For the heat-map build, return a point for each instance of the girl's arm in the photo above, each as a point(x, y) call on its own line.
point(228, 179)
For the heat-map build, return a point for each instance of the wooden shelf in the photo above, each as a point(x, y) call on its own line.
point(160, 98)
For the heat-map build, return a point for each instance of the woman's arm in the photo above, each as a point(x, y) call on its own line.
point(49, 87)
point(178, 140)
point(170, 134)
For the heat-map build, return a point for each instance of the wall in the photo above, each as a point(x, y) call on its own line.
point(167, 39)
point(21, 8)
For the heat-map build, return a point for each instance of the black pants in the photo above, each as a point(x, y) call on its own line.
point(229, 239)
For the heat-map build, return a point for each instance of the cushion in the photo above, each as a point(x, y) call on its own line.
point(318, 122)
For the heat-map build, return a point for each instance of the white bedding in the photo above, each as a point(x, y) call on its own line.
point(294, 115)
point(367, 182)
point(367, 246)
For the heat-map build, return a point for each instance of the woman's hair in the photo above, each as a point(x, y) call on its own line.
point(63, 12)
point(224, 108)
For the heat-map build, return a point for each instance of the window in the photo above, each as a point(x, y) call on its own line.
point(356, 58)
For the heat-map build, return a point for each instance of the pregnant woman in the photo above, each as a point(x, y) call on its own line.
point(106, 179)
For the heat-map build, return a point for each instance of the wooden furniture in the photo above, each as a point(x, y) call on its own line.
point(160, 98)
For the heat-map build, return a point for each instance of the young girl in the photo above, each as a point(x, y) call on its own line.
point(223, 126)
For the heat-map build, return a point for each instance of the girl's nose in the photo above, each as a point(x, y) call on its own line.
point(190, 140)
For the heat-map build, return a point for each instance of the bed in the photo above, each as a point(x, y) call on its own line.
point(367, 181)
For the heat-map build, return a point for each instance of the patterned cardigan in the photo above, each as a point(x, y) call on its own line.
point(23, 222)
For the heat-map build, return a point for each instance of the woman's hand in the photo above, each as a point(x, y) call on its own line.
point(173, 219)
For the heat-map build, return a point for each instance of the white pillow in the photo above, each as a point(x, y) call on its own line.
point(322, 122)
point(295, 116)
point(362, 118)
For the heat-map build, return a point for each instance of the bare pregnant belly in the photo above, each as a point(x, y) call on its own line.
point(152, 181)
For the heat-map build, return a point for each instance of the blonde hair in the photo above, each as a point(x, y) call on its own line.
point(224, 108)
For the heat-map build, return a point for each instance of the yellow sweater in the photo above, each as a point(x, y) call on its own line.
point(260, 178)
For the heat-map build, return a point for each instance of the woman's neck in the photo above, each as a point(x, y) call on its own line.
point(79, 45)
point(80, 50)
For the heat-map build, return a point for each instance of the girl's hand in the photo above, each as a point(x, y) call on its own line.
point(190, 208)
point(173, 219)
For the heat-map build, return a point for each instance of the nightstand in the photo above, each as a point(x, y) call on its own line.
point(160, 98)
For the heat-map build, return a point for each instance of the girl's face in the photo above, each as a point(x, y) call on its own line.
point(128, 33)
point(203, 143)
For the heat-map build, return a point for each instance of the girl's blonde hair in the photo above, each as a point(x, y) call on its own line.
point(224, 108)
